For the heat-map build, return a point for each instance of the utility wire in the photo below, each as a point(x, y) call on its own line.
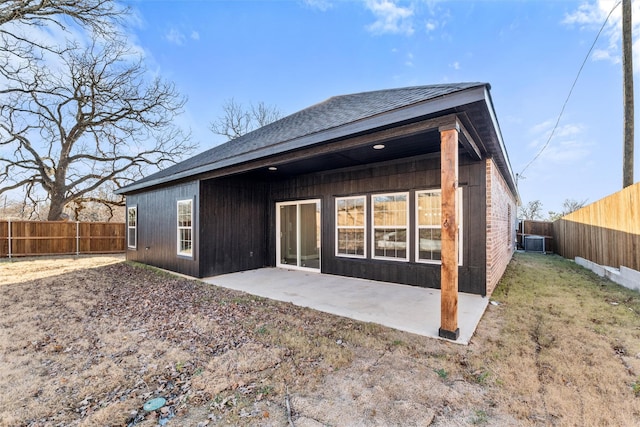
point(570, 91)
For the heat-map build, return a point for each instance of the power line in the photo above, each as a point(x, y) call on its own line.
point(566, 101)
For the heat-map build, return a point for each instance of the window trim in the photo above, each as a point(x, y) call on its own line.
point(351, 227)
point(407, 227)
point(297, 204)
point(134, 227)
point(418, 227)
point(179, 228)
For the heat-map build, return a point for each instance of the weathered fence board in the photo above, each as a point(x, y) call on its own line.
point(28, 238)
point(606, 232)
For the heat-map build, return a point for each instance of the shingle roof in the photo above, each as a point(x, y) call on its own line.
point(332, 113)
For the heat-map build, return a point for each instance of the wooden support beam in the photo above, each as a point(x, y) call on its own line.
point(449, 269)
point(469, 144)
point(379, 137)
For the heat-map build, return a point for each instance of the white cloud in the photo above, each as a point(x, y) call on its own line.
point(590, 16)
point(431, 25)
point(567, 146)
point(540, 128)
point(455, 65)
point(605, 55)
point(409, 61)
point(179, 38)
point(175, 36)
point(390, 17)
point(587, 14)
point(321, 5)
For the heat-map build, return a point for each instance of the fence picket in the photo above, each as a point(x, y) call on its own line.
point(606, 232)
point(28, 238)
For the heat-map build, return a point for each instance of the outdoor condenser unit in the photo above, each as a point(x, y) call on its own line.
point(534, 244)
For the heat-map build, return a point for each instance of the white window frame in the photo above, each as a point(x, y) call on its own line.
point(297, 203)
point(374, 227)
point(420, 227)
point(351, 227)
point(179, 240)
point(133, 227)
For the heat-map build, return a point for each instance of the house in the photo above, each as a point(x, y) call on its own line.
point(377, 185)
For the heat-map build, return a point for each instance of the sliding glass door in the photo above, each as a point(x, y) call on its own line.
point(298, 231)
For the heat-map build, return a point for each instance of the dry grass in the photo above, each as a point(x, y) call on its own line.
point(568, 348)
point(89, 347)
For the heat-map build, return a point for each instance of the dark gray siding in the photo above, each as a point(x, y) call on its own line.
point(157, 228)
point(416, 174)
point(232, 225)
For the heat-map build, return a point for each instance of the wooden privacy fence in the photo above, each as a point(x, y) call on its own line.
point(28, 238)
point(606, 232)
point(528, 227)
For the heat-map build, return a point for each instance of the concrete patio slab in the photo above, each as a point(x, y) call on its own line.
point(407, 308)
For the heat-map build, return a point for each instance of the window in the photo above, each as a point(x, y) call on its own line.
point(429, 226)
point(390, 221)
point(185, 229)
point(132, 225)
point(351, 221)
point(509, 227)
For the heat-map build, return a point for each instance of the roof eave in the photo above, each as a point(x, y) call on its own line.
point(509, 176)
point(425, 108)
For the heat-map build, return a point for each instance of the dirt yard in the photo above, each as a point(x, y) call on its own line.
point(86, 342)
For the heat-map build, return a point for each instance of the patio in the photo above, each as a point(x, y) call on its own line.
point(407, 308)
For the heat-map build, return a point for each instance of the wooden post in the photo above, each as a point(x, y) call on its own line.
point(627, 93)
point(449, 269)
point(9, 237)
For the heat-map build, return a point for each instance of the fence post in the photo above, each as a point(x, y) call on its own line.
point(9, 236)
point(77, 238)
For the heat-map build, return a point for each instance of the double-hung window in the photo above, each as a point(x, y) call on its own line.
point(132, 225)
point(429, 226)
point(351, 224)
point(390, 226)
point(185, 227)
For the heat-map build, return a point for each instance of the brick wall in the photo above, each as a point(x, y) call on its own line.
point(501, 220)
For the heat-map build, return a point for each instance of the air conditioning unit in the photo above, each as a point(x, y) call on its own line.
point(534, 244)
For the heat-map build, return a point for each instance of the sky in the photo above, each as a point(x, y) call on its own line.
point(295, 53)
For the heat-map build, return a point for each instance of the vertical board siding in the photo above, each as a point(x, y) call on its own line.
point(30, 238)
point(232, 226)
point(235, 219)
point(606, 232)
point(157, 228)
point(401, 176)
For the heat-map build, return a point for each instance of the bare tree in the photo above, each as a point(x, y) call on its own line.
point(532, 210)
point(19, 45)
point(90, 13)
point(100, 205)
point(98, 119)
point(568, 206)
point(571, 205)
point(238, 120)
